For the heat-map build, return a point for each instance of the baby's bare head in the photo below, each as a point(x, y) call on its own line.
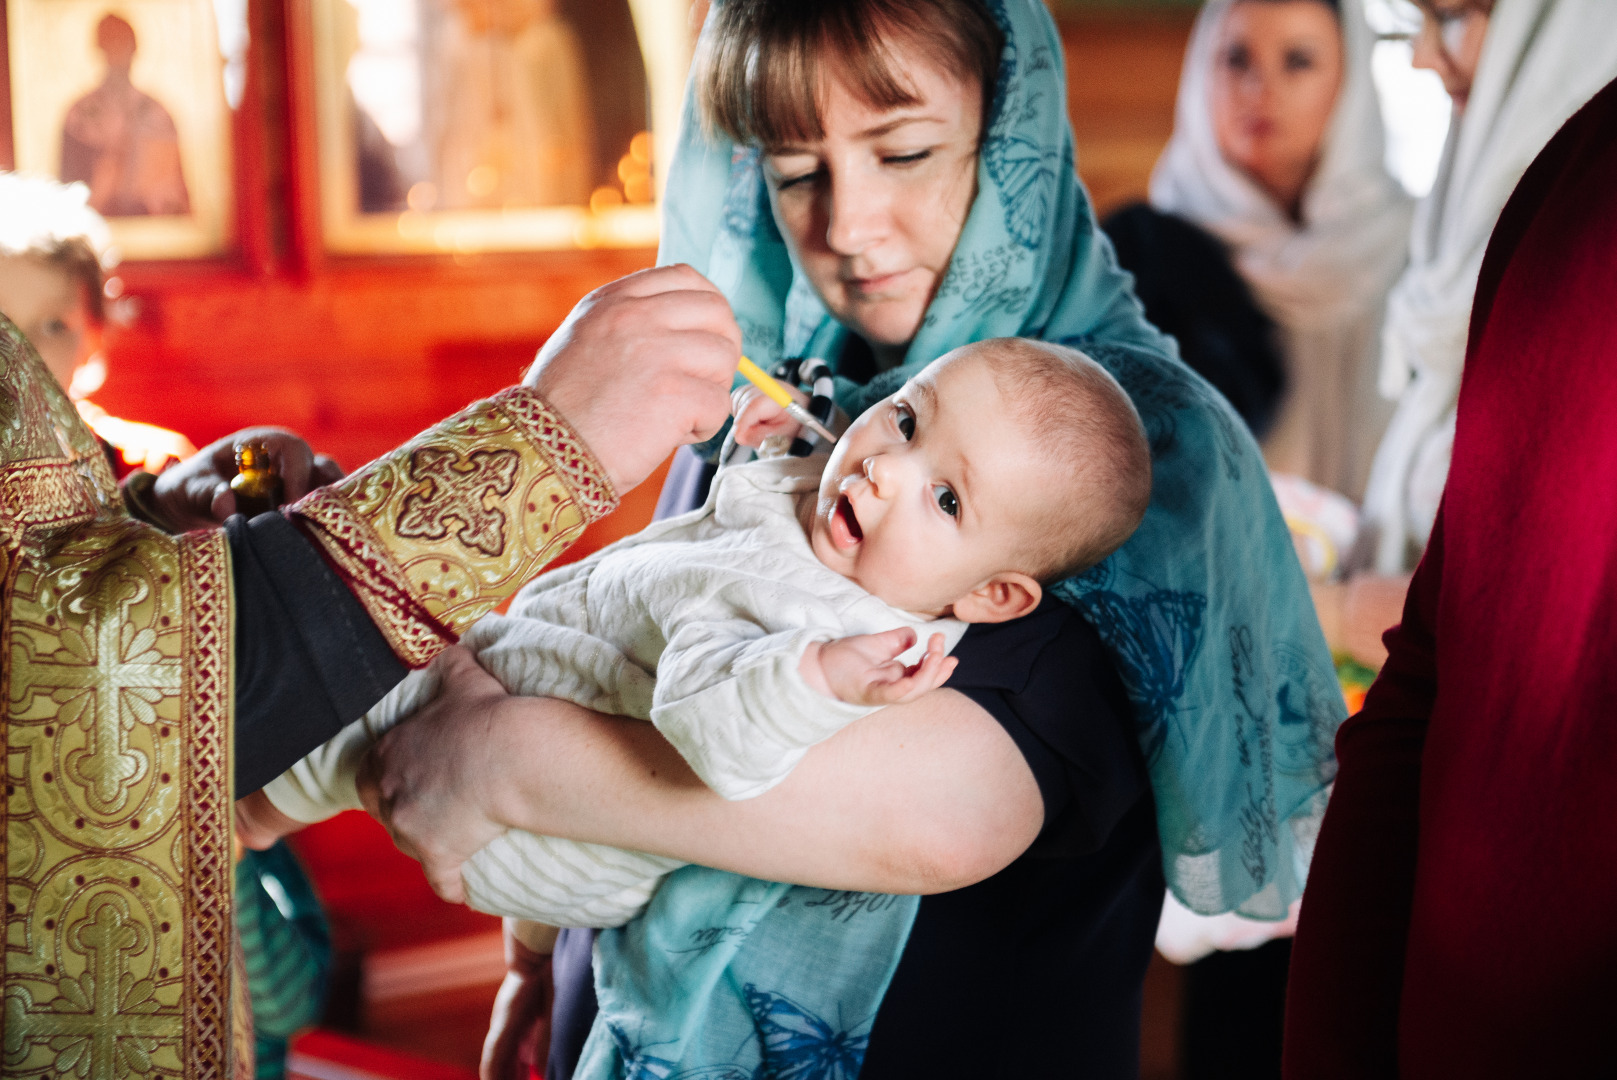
point(995, 470)
point(1086, 435)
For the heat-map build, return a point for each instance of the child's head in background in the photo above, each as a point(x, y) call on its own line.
point(52, 247)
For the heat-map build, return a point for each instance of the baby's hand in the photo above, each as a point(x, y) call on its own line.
point(259, 824)
point(864, 669)
point(757, 417)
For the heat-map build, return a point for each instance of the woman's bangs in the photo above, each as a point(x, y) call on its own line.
point(768, 86)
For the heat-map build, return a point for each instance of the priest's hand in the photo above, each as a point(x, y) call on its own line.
point(642, 366)
point(430, 779)
point(195, 494)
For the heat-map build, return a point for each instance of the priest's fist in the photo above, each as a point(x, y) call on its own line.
point(642, 366)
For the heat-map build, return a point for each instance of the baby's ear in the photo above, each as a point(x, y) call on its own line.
point(1001, 598)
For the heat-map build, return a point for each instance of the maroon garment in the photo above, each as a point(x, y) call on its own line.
point(1460, 918)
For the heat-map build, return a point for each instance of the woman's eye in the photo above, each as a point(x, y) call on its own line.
point(1298, 60)
point(56, 326)
point(1238, 58)
point(946, 500)
point(906, 159)
point(905, 420)
point(787, 182)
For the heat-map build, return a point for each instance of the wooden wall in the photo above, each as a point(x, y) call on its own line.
point(1122, 76)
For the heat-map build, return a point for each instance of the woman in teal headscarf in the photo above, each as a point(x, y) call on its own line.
point(1205, 608)
point(925, 212)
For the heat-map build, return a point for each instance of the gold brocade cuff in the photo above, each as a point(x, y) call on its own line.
point(433, 535)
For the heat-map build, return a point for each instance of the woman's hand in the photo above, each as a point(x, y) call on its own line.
point(519, 1027)
point(758, 417)
point(432, 780)
point(195, 494)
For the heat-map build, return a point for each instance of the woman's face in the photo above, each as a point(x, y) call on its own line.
point(1275, 80)
point(872, 209)
point(1450, 43)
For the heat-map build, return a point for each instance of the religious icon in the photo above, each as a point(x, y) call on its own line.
point(120, 141)
point(472, 125)
point(129, 98)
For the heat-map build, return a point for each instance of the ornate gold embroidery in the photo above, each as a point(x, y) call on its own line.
point(115, 711)
point(567, 451)
point(117, 825)
point(460, 491)
point(516, 482)
point(45, 494)
point(53, 474)
point(210, 857)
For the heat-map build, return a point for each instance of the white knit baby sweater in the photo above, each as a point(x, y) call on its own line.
point(697, 624)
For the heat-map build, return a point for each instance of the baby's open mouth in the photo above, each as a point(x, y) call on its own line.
point(845, 512)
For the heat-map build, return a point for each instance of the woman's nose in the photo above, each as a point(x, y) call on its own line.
point(855, 216)
point(1256, 85)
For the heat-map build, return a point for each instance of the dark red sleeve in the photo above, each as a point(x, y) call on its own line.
point(1348, 961)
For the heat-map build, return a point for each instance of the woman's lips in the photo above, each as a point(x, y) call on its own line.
point(877, 284)
point(844, 526)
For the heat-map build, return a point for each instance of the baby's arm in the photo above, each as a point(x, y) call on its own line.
point(865, 670)
point(738, 704)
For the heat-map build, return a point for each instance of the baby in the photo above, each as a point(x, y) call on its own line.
point(791, 604)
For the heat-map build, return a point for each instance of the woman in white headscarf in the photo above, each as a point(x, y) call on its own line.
point(1278, 150)
point(1517, 69)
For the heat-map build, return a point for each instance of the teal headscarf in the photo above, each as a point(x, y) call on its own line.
point(1205, 610)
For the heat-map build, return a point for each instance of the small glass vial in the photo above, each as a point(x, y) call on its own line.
point(257, 485)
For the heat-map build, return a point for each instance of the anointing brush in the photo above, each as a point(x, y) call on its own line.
point(783, 397)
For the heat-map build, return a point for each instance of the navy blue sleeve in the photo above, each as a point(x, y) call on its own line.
point(1048, 681)
point(308, 658)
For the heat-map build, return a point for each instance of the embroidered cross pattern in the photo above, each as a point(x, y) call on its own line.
point(457, 489)
point(105, 1024)
point(120, 673)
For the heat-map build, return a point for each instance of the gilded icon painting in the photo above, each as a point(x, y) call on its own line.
point(129, 98)
point(476, 125)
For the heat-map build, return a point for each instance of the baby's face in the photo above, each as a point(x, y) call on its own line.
point(930, 492)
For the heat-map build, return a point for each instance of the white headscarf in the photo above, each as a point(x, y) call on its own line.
point(1323, 281)
point(1541, 60)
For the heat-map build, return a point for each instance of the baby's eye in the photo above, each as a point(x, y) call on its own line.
point(905, 420)
point(946, 500)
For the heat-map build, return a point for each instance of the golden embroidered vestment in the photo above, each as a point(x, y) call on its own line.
point(118, 700)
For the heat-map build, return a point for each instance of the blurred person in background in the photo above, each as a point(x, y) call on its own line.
point(1278, 151)
point(1516, 69)
point(1274, 177)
